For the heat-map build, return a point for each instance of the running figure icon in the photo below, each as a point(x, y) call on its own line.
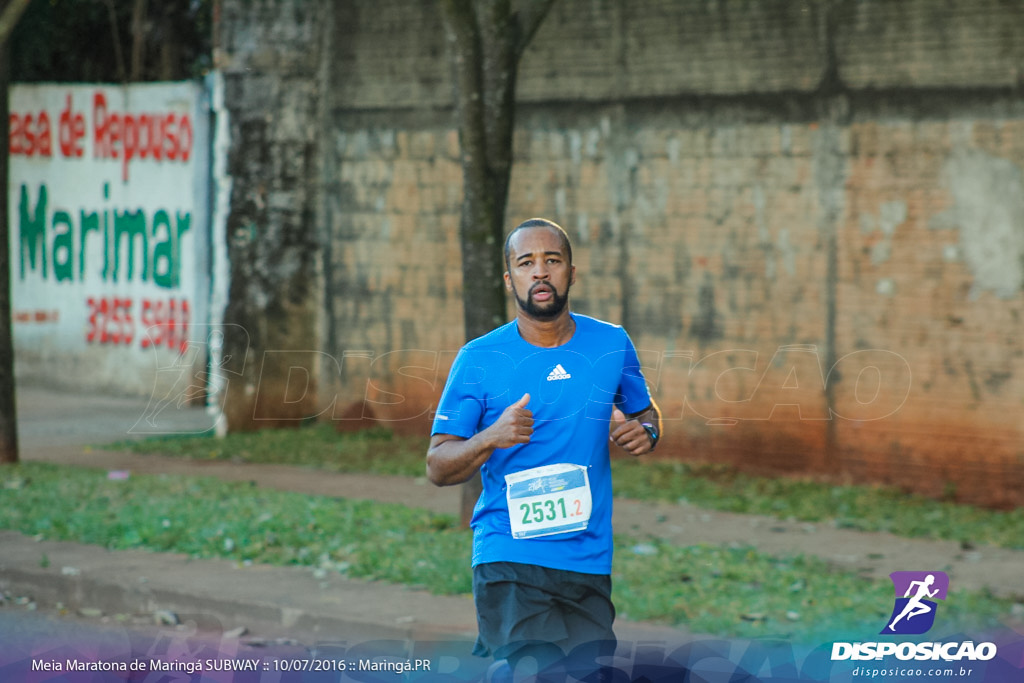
point(915, 606)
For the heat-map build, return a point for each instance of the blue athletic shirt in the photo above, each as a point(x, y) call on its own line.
point(573, 389)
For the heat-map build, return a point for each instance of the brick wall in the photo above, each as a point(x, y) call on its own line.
point(809, 216)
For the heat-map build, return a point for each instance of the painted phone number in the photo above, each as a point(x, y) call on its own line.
point(152, 323)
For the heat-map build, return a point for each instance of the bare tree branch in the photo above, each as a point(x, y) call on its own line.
point(529, 18)
point(9, 19)
point(119, 56)
point(138, 39)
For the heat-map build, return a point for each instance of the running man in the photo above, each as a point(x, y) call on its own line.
point(533, 406)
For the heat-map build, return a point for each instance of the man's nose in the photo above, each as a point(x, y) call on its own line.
point(540, 271)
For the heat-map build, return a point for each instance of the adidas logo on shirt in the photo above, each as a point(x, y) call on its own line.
point(558, 373)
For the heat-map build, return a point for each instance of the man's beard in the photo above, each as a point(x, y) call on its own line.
point(550, 309)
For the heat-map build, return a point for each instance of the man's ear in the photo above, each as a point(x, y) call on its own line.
point(508, 282)
point(572, 275)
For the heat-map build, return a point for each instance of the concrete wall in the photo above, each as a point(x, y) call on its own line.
point(809, 216)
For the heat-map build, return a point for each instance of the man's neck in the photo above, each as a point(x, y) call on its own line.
point(546, 333)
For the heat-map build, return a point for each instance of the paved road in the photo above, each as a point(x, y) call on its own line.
point(49, 418)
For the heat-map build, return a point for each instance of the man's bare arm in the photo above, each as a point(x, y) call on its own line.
point(628, 432)
point(453, 459)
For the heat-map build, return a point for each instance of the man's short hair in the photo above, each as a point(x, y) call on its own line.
point(537, 223)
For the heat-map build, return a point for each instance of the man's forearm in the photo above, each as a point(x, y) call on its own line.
point(455, 461)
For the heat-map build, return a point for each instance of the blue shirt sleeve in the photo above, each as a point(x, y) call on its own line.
point(462, 401)
point(634, 395)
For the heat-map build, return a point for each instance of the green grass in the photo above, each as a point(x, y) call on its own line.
point(377, 450)
point(742, 592)
point(725, 591)
point(866, 508)
point(206, 517)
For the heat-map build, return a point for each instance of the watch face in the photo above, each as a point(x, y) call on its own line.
point(651, 431)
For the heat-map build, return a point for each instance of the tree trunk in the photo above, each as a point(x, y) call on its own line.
point(487, 39)
point(11, 12)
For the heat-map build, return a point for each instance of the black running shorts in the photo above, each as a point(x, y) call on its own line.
point(523, 608)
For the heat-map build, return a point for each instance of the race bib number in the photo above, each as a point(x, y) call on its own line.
point(554, 499)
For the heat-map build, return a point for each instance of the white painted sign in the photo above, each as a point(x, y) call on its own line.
point(108, 225)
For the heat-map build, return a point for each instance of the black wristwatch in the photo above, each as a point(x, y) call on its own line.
point(652, 432)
